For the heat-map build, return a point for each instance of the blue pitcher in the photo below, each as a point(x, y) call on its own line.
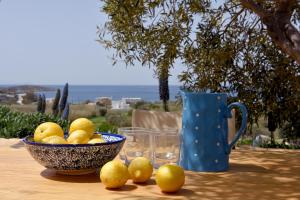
point(204, 143)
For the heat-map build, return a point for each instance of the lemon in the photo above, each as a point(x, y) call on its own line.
point(114, 174)
point(54, 139)
point(78, 137)
point(170, 178)
point(96, 140)
point(83, 124)
point(96, 135)
point(140, 169)
point(47, 129)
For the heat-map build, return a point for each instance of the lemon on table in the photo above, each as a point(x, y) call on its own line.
point(47, 129)
point(114, 174)
point(170, 178)
point(83, 124)
point(140, 169)
point(96, 140)
point(78, 137)
point(54, 140)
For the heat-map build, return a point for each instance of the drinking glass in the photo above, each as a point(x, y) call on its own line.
point(137, 144)
point(166, 147)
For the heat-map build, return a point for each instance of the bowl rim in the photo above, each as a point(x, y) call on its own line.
point(121, 137)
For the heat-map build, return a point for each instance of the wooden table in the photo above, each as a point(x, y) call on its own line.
point(253, 174)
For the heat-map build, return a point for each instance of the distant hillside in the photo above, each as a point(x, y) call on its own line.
point(24, 89)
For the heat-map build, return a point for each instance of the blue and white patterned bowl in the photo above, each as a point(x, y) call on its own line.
point(75, 159)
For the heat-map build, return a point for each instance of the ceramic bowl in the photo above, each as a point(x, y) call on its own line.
point(75, 159)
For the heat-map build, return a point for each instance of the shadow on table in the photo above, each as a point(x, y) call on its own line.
point(125, 188)
point(267, 178)
point(238, 167)
point(181, 194)
point(149, 182)
point(52, 175)
point(18, 145)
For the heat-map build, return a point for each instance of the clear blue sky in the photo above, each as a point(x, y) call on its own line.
point(53, 42)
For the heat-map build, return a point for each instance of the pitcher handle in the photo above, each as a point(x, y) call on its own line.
point(243, 127)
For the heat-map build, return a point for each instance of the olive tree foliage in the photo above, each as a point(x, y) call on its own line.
point(249, 48)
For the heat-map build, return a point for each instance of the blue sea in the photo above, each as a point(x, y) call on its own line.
point(80, 93)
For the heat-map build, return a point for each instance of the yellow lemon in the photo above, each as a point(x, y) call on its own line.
point(54, 140)
point(170, 178)
point(96, 140)
point(97, 135)
point(140, 169)
point(114, 174)
point(47, 129)
point(78, 137)
point(83, 124)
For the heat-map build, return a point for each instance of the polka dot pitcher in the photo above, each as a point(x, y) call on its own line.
point(204, 144)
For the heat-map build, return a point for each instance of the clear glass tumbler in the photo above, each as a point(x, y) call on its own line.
point(166, 147)
point(138, 143)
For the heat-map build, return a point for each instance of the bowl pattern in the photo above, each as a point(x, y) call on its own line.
point(80, 158)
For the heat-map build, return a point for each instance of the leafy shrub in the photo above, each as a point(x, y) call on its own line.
point(244, 142)
point(118, 119)
point(279, 145)
point(138, 105)
point(82, 110)
point(102, 112)
point(16, 124)
point(114, 119)
point(129, 113)
point(291, 130)
point(93, 113)
point(29, 98)
point(143, 105)
point(153, 106)
point(104, 102)
point(106, 127)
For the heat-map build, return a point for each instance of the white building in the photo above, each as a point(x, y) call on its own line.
point(130, 100)
point(124, 103)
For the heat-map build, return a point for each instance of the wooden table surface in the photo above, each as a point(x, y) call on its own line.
point(254, 174)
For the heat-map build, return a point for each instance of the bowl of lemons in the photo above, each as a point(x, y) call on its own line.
point(79, 151)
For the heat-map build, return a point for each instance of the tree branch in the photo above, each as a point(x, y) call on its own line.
point(279, 26)
point(287, 37)
point(251, 5)
point(286, 5)
point(233, 19)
